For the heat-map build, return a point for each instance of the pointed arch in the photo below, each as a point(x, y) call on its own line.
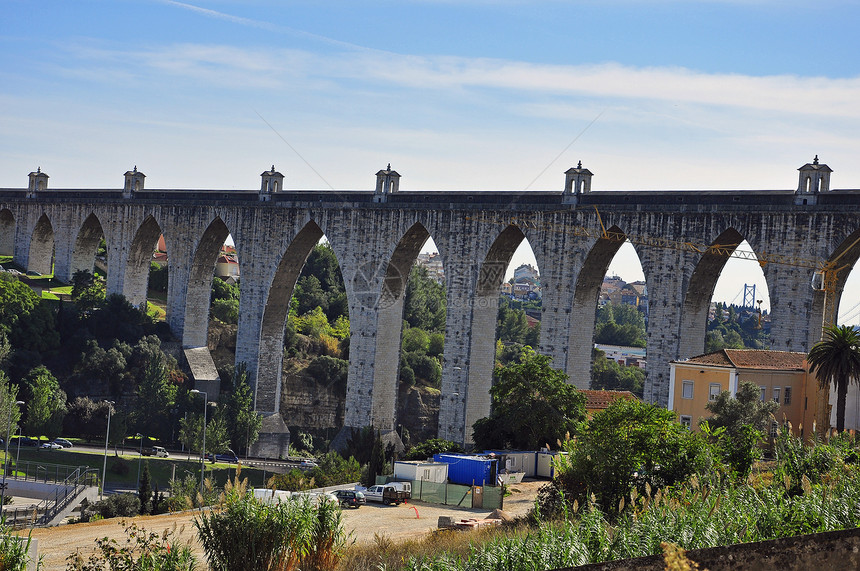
point(196, 322)
point(585, 297)
point(139, 258)
point(275, 312)
point(845, 256)
point(7, 233)
point(697, 299)
point(41, 258)
point(86, 245)
point(390, 325)
point(485, 309)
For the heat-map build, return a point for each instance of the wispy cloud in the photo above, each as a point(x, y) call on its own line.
point(274, 69)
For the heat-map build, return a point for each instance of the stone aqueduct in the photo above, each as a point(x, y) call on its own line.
point(378, 234)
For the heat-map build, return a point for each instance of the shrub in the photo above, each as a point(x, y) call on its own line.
point(250, 534)
point(14, 550)
point(226, 310)
point(143, 550)
point(117, 505)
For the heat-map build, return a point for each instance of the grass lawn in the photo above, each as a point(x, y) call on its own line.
point(160, 469)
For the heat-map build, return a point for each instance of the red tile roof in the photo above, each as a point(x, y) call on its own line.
point(599, 400)
point(752, 359)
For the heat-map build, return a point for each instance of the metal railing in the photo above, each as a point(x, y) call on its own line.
point(70, 482)
point(67, 491)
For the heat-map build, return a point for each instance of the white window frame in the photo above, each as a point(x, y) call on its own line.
point(712, 396)
point(687, 421)
point(777, 393)
point(684, 385)
point(763, 392)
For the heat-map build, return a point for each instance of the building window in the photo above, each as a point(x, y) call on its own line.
point(686, 421)
point(762, 389)
point(787, 398)
point(714, 390)
point(774, 429)
point(776, 391)
point(426, 474)
point(687, 392)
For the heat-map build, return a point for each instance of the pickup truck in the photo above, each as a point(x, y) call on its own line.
point(385, 493)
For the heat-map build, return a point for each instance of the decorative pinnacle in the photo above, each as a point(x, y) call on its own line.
point(388, 168)
point(815, 161)
point(579, 166)
point(273, 168)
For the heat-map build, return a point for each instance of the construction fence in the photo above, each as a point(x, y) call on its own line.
point(484, 497)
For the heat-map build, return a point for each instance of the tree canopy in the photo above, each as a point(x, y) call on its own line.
point(532, 405)
point(835, 360)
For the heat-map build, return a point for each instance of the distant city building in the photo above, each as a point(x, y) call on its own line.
point(433, 262)
point(526, 273)
point(627, 356)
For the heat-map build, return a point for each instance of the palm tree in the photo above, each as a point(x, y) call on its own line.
point(836, 359)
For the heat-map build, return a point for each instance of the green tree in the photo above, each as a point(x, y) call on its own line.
point(625, 446)
point(738, 425)
point(377, 460)
point(144, 492)
point(835, 360)
point(430, 447)
point(10, 413)
point(744, 409)
point(606, 374)
point(242, 421)
point(425, 305)
point(155, 393)
point(46, 404)
point(415, 339)
point(532, 405)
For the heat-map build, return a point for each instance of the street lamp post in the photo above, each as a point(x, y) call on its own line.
point(107, 434)
point(203, 449)
point(139, 457)
point(6, 457)
point(18, 455)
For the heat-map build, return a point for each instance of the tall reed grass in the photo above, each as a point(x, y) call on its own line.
point(692, 516)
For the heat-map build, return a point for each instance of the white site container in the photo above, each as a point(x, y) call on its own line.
point(271, 496)
point(416, 470)
point(545, 467)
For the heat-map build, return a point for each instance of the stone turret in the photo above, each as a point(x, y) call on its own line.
point(576, 181)
point(133, 182)
point(273, 181)
point(814, 178)
point(387, 182)
point(38, 182)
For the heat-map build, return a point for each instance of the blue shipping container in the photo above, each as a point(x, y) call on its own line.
point(469, 470)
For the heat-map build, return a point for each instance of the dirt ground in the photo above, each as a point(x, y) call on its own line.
point(395, 522)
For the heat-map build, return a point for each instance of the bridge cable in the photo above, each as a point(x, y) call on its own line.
point(575, 139)
point(294, 150)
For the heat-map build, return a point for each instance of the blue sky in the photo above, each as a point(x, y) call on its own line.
point(475, 94)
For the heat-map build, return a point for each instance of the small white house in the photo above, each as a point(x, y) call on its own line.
point(417, 470)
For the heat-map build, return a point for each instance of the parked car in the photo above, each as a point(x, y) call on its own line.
point(228, 456)
point(157, 451)
point(307, 465)
point(50, 446)
point(385, 493)
point(63, 442)
point(350, 498)
point(23, 441)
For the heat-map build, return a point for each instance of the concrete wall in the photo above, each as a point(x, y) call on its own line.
point(831, 550)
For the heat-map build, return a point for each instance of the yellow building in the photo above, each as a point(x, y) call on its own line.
point(781, 376)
